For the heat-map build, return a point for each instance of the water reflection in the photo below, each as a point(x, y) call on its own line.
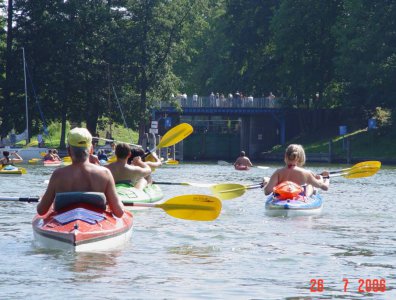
point(92, 265)
point(195, 254)
point(85, 265)
point(244, 254)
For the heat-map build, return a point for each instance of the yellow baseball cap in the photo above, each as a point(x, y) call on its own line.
point(79, 137)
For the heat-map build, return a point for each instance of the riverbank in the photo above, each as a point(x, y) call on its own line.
point(357, 146)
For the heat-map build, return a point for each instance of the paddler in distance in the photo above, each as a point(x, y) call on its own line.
point(129, 174)
point(81, 175)
point(294, 172)
point(243, 161)
point(7, 160)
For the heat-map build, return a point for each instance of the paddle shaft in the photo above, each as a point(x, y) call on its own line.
point(166, 206)
point(108, 140)
point(21, 199)
point(171, 183)
point(203, 185)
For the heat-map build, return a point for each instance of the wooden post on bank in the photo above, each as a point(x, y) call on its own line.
point(330, 151)
point(348, 146)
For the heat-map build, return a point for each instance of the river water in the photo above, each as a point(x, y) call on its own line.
point(244, 254)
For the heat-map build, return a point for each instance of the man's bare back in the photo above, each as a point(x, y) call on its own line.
point(243, 161)
point(81, 176)
point(122, 172)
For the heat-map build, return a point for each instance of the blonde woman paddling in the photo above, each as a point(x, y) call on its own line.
point(294, 172)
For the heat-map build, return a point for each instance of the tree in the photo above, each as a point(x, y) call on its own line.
point(366, 60)
point(155, 35)
point(252, 63)
point(305, 47)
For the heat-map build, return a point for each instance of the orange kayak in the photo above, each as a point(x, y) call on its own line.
point(85, 225)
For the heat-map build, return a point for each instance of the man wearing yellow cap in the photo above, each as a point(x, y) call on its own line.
point(81, 175)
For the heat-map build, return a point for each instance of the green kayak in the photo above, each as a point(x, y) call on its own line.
point(129, 194)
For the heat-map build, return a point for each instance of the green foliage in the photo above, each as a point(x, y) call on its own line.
point(91, 61)
point(366, 60)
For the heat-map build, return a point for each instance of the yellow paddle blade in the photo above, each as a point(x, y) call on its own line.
point(371, 163)
point(192, 207)
point(67, 158)
point(227, 191)
point(175, 135)
point(363, 164)
point(23, 170)
point(361, 172)
point(43, 154)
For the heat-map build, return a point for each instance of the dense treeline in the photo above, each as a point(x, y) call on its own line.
point(82, 54)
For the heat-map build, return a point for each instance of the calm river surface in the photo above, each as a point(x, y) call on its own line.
point(244, 254)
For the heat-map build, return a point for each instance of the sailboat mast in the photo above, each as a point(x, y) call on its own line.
point(26, 98)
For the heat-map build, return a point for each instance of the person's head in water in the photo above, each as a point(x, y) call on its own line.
point(295, 155)
point(242, 153)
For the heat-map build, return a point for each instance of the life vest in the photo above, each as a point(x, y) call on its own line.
point(288, 190)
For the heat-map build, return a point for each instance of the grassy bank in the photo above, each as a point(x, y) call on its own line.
point(373, 144)
point(52, 140)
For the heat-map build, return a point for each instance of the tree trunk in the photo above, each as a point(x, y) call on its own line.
point(6, 120)
point(142, 115)
point(62, 143)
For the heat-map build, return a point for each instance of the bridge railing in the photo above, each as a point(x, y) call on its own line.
point(223, 102)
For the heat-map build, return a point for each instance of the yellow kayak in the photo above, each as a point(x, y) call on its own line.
point(12, 170)
point(34, 161)
point(172, 162)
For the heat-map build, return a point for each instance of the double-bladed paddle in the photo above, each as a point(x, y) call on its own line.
point(226, 191)
point(188, 207)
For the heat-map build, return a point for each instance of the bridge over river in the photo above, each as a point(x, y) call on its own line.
point(224, 127)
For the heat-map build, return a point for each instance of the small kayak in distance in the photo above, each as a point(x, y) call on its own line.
point(81, 222)
point(128, 194)
point(171, 162)
point(10, 170)
point(242, 168)
point(34, 161)
point(303, 206)
point(52, 163)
